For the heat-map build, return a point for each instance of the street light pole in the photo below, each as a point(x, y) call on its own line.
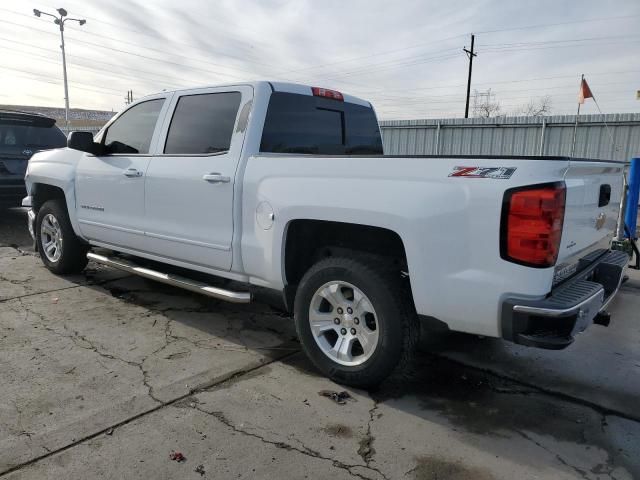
point(60, 21)
point(64, 75)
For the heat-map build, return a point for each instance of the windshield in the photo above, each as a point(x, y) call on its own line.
point(14, 137)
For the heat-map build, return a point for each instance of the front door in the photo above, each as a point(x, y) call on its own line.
point(110, 187)
point(190, 182)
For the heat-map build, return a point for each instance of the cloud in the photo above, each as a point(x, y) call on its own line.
point(406, 57)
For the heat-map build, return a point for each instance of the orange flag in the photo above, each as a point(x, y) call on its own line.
point(585, 92)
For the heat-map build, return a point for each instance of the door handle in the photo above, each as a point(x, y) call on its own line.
point(215, 178)
point(132, 172)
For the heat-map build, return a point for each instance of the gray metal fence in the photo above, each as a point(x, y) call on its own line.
point(92, 129)
point(551, 135)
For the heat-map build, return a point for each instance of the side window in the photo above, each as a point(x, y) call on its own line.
point(132, 132)
point(203, 123)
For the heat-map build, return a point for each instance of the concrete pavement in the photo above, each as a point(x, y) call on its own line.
point(104, 375)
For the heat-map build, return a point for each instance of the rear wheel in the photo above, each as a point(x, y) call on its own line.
point(60, 249)
point(355, 320)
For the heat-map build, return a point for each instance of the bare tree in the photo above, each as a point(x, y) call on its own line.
point(488, 109)
point(485, 104)
point(535, 108)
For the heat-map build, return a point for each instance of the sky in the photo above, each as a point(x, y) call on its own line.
point(404, 56)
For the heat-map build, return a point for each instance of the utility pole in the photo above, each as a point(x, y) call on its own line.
point(60, 22)
point(470, 54)
point(129, 98)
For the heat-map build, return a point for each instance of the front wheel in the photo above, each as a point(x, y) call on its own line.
point(60, 250)
point(355, 320)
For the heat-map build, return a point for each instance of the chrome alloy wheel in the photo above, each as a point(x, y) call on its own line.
point(344, 323)
point(51, 237)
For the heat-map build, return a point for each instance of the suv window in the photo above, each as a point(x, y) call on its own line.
point(203, 123)
point(133, 130)
point(31, 136)
point(306, 124)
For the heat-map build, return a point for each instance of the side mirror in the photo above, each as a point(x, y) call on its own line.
point(82, 141)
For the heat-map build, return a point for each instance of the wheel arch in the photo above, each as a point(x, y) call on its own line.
point(42, 192)
point(306, 241)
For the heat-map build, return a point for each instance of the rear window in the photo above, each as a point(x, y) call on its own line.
point(307, 124)
point(29, 136)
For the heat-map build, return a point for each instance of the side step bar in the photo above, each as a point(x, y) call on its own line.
point(169, 279)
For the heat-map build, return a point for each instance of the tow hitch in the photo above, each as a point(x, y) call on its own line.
point(602, 318)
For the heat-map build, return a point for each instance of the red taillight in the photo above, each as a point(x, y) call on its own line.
point(532, 225)
point(324, 92)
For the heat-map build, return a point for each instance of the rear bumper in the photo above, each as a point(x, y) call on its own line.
point(569, 309)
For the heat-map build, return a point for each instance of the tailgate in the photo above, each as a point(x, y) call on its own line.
point(594, 191)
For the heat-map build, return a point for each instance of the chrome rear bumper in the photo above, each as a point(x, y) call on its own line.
point(569, 309)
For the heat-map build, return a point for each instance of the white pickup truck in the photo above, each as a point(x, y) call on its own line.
point(285, 188)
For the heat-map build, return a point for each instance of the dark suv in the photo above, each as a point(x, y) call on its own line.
point(21, 135)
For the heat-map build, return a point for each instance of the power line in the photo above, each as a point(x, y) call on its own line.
point(110, 71)
point(93, 44)
point(119, 26)
point(566, 86)
point(380, 66)
point(138, 80)
point(375, 54)
point(573, 22)
point(337, 76)
point(625, 17)
point(384, 52)
point(387, 66)
point(610, 37)
point(78, 85)
point(502, 82)
point(543, 47)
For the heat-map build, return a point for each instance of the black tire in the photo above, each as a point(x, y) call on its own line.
point(396, 318)
point(73, 257)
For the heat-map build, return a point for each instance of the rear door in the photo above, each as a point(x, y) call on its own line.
point(594, 190)
point(110, 187)
point(190, 181)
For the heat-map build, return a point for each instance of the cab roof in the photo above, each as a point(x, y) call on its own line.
point(297, 88)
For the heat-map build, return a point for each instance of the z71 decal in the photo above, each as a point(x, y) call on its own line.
point(501, 173)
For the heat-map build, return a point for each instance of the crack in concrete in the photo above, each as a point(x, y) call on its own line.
point(538, 390)
point(85, 343)
point(583, 473)
point(304, 450)
point(204, 344)
point(366, 450)
point(70, 287)
point(20, 250)
point(82, 341)
point(13, 281)
point(111, 428)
